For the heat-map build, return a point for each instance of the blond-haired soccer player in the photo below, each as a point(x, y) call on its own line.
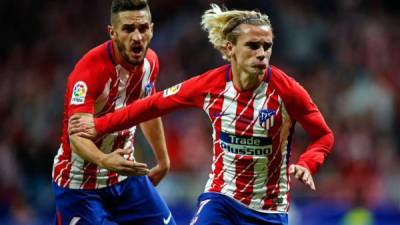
point(253, 107)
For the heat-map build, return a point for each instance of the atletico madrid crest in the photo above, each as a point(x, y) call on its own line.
point(266, 118)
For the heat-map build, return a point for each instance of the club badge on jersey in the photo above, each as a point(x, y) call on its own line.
point(266, 118)
point(148, 89)
point(79, 92)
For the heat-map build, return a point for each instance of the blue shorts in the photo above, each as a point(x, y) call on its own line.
point(132, 201)
point(218, 209)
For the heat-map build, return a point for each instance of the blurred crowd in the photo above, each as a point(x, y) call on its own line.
point(345, 53)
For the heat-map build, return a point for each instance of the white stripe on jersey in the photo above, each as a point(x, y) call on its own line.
point(213, 176)
point(57, 162)
point(103, 97)
point(147, 71)
point(283, 178)
point(124, 80)
point(259, 102)
point(75, 174)
point(260, 166)
point(100, 181)
point(228, 112)
point(229, 172)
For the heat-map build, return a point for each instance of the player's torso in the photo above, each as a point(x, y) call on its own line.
point(250, 133)
point(125, 88)
point(117, 87)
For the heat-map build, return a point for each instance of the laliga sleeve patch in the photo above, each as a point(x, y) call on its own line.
point(79, 93)
point(172, 90)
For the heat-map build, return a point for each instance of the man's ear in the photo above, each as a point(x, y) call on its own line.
point(111, 32)
point(229, 49)
point(151, 30)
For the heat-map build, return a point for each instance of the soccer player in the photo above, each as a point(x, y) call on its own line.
point(104, 185)
point(253, 107)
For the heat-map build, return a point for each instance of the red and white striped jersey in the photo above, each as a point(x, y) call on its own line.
point(98, 85)
point(252, 132)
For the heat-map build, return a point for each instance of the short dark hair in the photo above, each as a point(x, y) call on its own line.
point(118, 6)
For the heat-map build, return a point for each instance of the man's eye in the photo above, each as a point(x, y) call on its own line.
point(143, 29)
point(253, 46)
point(127, 29)
point(267, 46)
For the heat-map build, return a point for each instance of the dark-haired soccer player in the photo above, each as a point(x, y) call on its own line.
point(106, 185)
point(253, 107)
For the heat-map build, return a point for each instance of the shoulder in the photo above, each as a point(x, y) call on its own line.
point(95, 60)
point(215, 75)
point(94, 68)
point(280, 79)
point(210, 79)
point(152, 57)
point(293, 94)
point(286, 85)
point(213, 78)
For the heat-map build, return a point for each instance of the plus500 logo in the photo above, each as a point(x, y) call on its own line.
point(246, 145)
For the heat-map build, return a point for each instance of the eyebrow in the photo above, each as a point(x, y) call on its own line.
point(138, 24)
point(259, 43)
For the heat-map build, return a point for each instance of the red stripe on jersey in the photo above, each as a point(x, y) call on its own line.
point(64, 172)
point(120, 139)
point(274, 159)
point(245, 115)
point(112, 96)
point(134, 88)
point(112, 178)
point(214, 111)
point(244, 164)
point(89, 175)
point(244, 178)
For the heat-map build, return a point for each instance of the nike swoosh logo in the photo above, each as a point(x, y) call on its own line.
point(74, 221)
point(166, 221)
point(217, 115)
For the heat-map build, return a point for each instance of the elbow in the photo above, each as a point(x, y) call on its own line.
point(73, 140)
point(331, 137)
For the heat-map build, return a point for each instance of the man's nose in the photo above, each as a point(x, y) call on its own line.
point(261, 53)
point(137, 36)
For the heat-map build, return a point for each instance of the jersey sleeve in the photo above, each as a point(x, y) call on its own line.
point(186, 94)
point(301, 107)
point(84, 86)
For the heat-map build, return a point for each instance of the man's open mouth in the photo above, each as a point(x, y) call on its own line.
point(137, 49)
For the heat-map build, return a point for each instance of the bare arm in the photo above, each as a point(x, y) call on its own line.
point(154, 133)
point(113, 161)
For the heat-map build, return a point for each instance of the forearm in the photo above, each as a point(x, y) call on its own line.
point(135, 113)
point(316, 152)
point(87, 150)
point(322, 140)
point(154, 132)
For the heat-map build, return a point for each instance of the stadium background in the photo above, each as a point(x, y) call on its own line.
point(346, 53)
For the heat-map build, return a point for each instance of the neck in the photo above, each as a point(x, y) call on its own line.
point(244, 80)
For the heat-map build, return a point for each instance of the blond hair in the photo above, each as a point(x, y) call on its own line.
point(222, 24)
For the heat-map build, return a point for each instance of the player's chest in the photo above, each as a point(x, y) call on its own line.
point(257, 113)
point(124, 87)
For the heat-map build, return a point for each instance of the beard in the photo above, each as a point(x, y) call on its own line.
point(125, 53)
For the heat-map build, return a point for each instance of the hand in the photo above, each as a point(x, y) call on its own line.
point(82, 126)
point(115, 161)
point(302, 174)
point(157, 173)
